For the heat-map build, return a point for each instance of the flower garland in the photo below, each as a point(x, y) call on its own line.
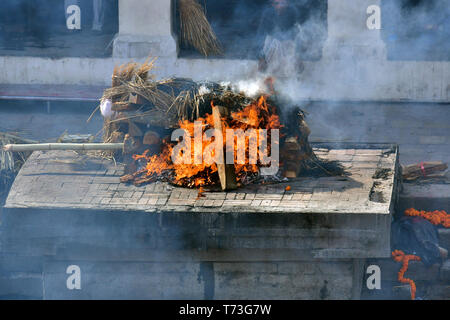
point(435, 217)
point(400, 256)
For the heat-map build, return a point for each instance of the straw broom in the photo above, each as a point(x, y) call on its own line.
point(196, 30)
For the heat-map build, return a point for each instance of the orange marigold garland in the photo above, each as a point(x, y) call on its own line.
point(400, 256)
point(435, 217)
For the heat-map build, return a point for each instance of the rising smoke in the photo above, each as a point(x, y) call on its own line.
point(411, 30)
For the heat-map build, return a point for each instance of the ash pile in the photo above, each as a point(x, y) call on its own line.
point(178, 131)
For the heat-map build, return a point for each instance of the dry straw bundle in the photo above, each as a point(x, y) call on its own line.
point(165, 101)
point(196, 30)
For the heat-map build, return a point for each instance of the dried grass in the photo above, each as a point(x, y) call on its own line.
point(123, 77)
point(132, 71)
point(168, 101)
point(195, 29)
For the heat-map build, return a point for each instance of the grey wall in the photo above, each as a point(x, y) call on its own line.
point(422, 130)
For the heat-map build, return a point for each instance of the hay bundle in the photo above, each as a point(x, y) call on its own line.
point(119, 92)
point(163, 102)
point(132, 71)
point(195, 29)
point(160, 103)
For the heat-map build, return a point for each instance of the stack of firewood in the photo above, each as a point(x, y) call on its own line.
point(296, 152)
point(144, 112)
point(425, 171)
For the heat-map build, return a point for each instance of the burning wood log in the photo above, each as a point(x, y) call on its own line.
point(130, 145)
point(226, 172)
point(134, 130)
point(135, 98)
point(145, 108)
point(296, 150)
point(132, 176)
point(151, 138)
point(291, 153)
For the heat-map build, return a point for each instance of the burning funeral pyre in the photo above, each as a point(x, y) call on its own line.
point(203, 134)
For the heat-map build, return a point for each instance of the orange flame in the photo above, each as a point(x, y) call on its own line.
point(195, 173)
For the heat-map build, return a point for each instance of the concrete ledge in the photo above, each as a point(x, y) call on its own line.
point(425, 196)
point(191, 237)
point(418, 81)
point(140, 46)
point(51, 92)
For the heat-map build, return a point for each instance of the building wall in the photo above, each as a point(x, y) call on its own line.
point(136, 255)
point(284, 280)
point(354, 65)
point(42, 278)
point(422, 130)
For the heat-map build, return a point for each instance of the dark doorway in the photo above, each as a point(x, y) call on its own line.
point(38, 28)
point(236, 24)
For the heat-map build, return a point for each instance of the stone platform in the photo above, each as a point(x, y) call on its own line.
point(259, 242)
point(67, 180)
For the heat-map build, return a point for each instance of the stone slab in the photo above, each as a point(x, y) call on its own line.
point(67, 180)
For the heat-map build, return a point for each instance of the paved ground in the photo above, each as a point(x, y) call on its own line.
point(65, 179)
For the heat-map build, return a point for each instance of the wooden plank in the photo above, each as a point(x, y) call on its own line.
point(152, 118)
point(151, 138)
point(226, 172)
point(121, 106)
point(135, 98)
point(134, 130)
